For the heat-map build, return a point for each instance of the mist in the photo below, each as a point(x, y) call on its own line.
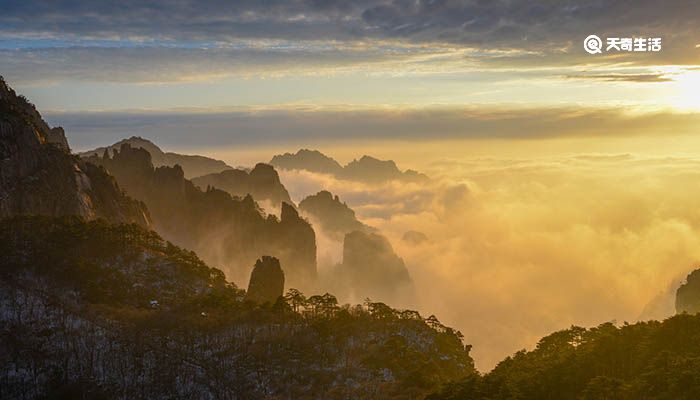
point(519, 248)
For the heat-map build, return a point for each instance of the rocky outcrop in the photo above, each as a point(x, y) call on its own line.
point(366, 169)
point(262, 182)
point(371, 267)
point(266, 283)
point(224, 231)
point(333, 216)
point(688, 294)
point(39, 176)
point(192, 165)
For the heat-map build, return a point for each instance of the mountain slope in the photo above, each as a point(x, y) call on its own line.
point(38, 175)
point(224, 231)
point(92, 310)
point(192, 165)
point(646, 360)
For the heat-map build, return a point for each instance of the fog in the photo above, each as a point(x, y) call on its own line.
point(519, 248)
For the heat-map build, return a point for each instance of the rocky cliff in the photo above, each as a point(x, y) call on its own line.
point(224, 231)
point(192, 165)
point(266, 283)
point(262, 182)
point(38, 175)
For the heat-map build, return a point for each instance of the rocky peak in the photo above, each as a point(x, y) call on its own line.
point(39, 176)
point(266, 281)
point(262, 182)
point(333, 216)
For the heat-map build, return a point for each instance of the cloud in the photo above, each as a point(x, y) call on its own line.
point(639, 78)
point(505, 33)
point(298, 125)
point(522, 247)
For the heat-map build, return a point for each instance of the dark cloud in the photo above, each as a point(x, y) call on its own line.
point(640, 78)
point(309, 127)
point(543, 29)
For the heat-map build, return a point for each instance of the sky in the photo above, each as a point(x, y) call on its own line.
point(109, 63)
point(563, 184)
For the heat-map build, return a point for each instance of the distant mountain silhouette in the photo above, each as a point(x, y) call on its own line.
point(366, 169)
point(192, 165)
point(310, 160)
point(38, 175)
point(262, 182)
point(334, 217)
point(224, 231)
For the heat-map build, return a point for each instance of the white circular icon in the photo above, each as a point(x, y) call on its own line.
point(593, 45)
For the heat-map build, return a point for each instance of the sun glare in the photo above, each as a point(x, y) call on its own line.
point(686, 91)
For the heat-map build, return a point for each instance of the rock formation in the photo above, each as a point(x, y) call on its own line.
point(266, 283)
point(688, 294)
point(371, 267)
point(224, 231)
point(262, 182)
point(39, 176)
point(366, 169)
point(192, 165)
point(333, 216)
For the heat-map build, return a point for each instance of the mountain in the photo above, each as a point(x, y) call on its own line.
point(647, 360)
point(370, 169)
point(310, 160)
point(333, 216)
point(38, 175)
point(262, 182)
point(102, 311)
point(688, 294)
point(192, 165)
point(223, 230)
point(366, 169)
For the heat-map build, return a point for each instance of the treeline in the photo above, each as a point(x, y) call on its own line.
point(113, 311)
point(646, 360)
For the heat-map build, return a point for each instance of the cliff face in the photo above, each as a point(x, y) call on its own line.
point(262, 182)
point(371, 266)
point(224, 231)
point(334, 216)
point(266, 281)
point(38, 175)
point(192, 165)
